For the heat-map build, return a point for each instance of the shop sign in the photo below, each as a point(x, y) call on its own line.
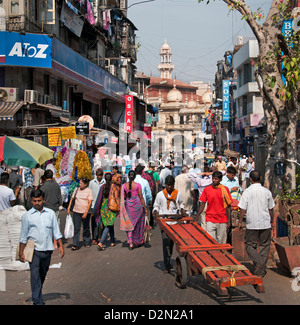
point(255, 119)
point(68, 132)
point(225, 98)
point(54, 137)
point(82, 128)
point(28, 50)
point(129, 113)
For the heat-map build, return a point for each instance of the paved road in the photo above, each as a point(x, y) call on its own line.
point(118, 276)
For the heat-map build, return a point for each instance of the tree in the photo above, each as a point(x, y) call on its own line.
point(280, 99)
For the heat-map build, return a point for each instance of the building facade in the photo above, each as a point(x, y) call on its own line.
point(250, 121)
point(62, 59)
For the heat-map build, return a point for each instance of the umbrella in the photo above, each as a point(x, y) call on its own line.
point(23, 152)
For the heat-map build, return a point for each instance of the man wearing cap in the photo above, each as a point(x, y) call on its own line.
point(164, 173)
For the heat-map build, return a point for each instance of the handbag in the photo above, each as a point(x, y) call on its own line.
point(125, 223)
point(113, 204)
point(147, 232)
point(73, 201)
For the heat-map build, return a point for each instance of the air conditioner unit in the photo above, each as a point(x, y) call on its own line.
point(8, 94)
point(31, 96)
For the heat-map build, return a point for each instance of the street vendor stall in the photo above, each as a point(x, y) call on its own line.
point(71, 165)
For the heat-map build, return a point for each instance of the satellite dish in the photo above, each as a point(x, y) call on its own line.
point(3, 95)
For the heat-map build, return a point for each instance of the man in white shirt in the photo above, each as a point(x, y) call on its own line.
point(146, 190)
point(168, 202)
point(186, 186)
point(257, 204)
point(51, 166)
point(165, 173)
point(95, 186)
point(7, 197)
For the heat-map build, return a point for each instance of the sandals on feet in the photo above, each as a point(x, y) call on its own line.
point(74, 248)
point(100, 247)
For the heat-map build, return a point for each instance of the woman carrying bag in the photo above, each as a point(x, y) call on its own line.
point(106, 209)
point(83, 197)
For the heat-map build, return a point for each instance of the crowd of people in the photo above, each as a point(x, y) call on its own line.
point(205, 190)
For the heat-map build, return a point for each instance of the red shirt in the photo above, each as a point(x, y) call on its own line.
point(215, 211)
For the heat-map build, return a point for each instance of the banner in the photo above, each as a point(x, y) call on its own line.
point(225, 98)
point(54, 137)
point(68, 132)
point(128, 113)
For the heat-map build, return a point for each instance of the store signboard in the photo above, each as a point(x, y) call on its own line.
point(54, 137)
point(82, 128)
point(129, 113)
point(27, 50)
point(68, 132)
point(225, 100)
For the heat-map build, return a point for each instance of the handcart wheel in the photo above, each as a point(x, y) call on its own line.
point(180, 272)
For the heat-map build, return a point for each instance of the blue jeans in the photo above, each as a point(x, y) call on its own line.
point(111, 231)
point(86, 234)
point(38, 270)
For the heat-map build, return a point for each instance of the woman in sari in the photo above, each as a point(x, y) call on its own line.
point(133, 211)
point(103, 214)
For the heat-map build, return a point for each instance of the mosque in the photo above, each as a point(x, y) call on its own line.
point(182, 107)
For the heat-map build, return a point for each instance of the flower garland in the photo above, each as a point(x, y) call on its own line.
point(81, 166)
point(57, 163)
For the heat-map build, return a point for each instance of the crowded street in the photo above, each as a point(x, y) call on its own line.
point(149, 155)
point(118, 276)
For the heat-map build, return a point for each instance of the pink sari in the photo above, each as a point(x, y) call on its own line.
point(132, 216)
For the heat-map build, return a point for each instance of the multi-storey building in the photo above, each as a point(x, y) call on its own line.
point(250, 114)
point(61, 59)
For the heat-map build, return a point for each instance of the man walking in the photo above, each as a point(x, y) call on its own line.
point(53, 199)
point(95, 186)
point(257, 204)
point(39, 224)
point(168, 202)
point(165, 173)
point(7, 196)
point(187, 189)
point(218, 211)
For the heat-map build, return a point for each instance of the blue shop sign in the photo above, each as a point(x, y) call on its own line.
point(27, 50)
point(225, 99)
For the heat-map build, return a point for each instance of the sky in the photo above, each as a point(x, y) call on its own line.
point(198, 33)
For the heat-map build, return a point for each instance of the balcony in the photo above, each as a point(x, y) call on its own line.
point(250, 87)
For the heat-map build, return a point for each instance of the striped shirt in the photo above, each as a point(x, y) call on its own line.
point(257, 201)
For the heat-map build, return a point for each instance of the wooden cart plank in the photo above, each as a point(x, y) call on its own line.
point(201, 251)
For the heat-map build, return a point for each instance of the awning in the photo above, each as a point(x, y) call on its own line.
point(9, 109)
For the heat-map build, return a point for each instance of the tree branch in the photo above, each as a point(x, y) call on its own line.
point(242, 7)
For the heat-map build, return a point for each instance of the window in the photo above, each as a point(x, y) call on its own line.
point(245, 111)
point(247, 73)
point(47, 12)
point(14, 7)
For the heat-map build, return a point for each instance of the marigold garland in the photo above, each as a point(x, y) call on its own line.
point(57, 163)
point(83, 165)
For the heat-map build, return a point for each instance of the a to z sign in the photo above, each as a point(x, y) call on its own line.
point(128, 113)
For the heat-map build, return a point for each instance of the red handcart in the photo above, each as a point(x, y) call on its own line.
point(199, 253)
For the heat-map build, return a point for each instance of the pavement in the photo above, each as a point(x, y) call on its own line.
point(118, 276)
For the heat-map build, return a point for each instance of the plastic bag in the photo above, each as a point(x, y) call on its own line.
point(69, 227)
